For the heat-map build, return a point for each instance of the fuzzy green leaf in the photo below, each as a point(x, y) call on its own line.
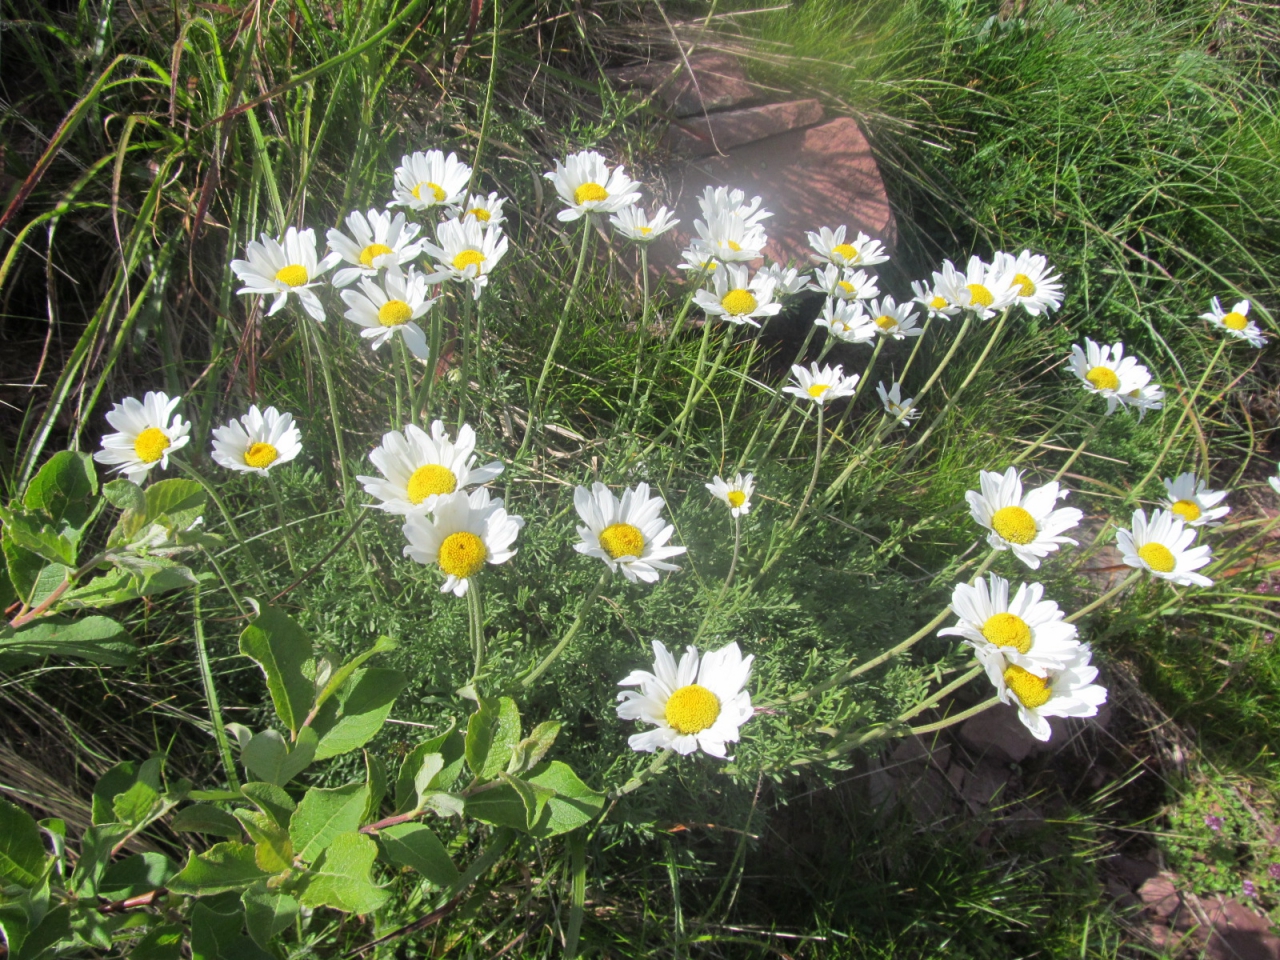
point(358, 712)
point(282, 649)
point(416, 845)
point(269, 757)
point(224, 866)
point(206, 818)
point(325, 813)
point(342, 879)
point(22, 855)
point(97, 639)
point(267, 913)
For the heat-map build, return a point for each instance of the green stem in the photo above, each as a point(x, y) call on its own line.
point(644, 776)
point(407, 365)
point(676, 326)
point(937, 698)
point(728, 579)
point(436, 337)
point(1084, 611)
point(960, 717)
point(696, 380)
point(1075, 454)
point(768, 413)
point(464, 383)
point(284, 523)
point(946, 359)
point(633, 410)
point(813, 480)
point(226, 583)
point(475, 611)
point(211, 696)
point(583, 609)
point(862, 385)
point(230, 522)
point(911, 357)
point(973, 372)
point(692, 403)
point(1053, 429)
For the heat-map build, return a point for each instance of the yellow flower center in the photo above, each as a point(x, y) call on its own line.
point(429, 481)
point(846, 251)
point(1188, 510)
point(738, 302)
point(151, 444)
point(261, 455)
point(462, 554)
point(816, 390)
point(1031, 691)
point(294, 275)
point(394, 312)
point(644, 231)
point(734, 245)
point(979, 295)
point(1158, 557)
point(590, 192)
point(480, 213)
point(622, 540)
point(1103, 378)
point(1008, 630)
point(692, 709)
point(468, 258)
point(937, 303)
point(886, 322)
point(846, 287)
point(1235, 321)
point(736, 498)
point(1014, 524)
point(373, 250)
point(1025, 287)
point(436, 191)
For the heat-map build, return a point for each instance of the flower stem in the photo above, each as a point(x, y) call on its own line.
point(1075, 454)
point(1083, 611)
point(632, 410)
point(211, 696)
point(911, 357)
point(408, 381)
point(464, 383)
point(641, 778)
point(937, 698)
point(230, 522)
point(475, 611)
point(728, 579)
point(284, 523)
point(960, 717)
point(946, 359)
point(813, 481)
point(862, 385)
point(581, 618)
point(973, 372)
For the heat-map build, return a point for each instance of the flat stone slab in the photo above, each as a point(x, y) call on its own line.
point(717, 132)
point(717, 83)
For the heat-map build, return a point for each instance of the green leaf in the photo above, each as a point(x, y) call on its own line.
point(224, 866)
point(97, 846)
point(342, 878)
point(450, 745)
point(125, 494)
point(181, 501)
point(273, 849)
point(22, 854)
point(281, 648)
point(533, 797)
point(206, 818)
point(429, 767)
point(358, 712)
point(161, 943)
point(31, 532)
point(375, 774)
point(501, 806)
point(136, 875)
point(528, 753)
point(53, 928)
point(271, 800)
point(216, 934)
point(492, 733)
point(569, 802)
point(24, 569)
point(64, 489)
point(267, 913)
point(324, 814)
point(267, 755)
point(415, 845)
point(95, 638)
point(116, 780)
point(340, 677)
point(136, 804)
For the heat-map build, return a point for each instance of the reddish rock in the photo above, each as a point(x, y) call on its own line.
point(718, 132)
point(717, 82)
point(1160, 897)
point(999, 734)
point(1238, 933)
point(984, 786)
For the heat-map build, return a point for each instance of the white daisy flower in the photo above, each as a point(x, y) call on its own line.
point(821, 386)
point(1148, 397)
point(846, 320)
point(380, 240)
point(145, 436)
point(894, 320)
point(281, 268)
point(1028, 525)
point(1192, 501)
point(383, 310)
point(1236, 322)
point(787, 280)
point(1030, 631)
point(634, 224)
point(843, 283)
point(426, 180)
point(627, 534)
point(735, 493)
point(258, 441)
point(1160, 546)
point(1036, 289)
point(983, 289)
point(1106, 371)
point(487, 211)
point(691, 705)
point(1068, 691)
point(904, 411)
point(720, 201)
point(466, 253)
point(461, 539)
point(730, 239)
point(829, 247)
point(1275, 481)
point(934, 303)
point(586, 185)
point(736, 300)
point(696, 258)
point(417, 469)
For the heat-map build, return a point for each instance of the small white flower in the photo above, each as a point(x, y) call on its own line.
point(1030, 631)
point(720, 201)
point(586, 185)
point(1068, 691)
point(258, 441)
point(829, 247)
point(843, 283)
point(983, 289)
point(1148, 397)
point(821, 386)
point(1160, 546)
point(426, 180)
point(627, 534)
point(1236, 322)
point(697, 259)
point(735, 493)
point(145, 435)
point(934, 303)
point(894, 320)
point(904, 411)
point(465, 253)
point(280, 268)
point(487, 211)
point(1035, 288)
point(846, 320)
point(380, 240)
point(735, 299)
point(1192, 501)
point(691, 706)
point(461, 539)
point(417, 469)
point(383, 310)
point(1028, 525)
point(729, 238)
point(634, 224)
point(1106, 371)
point(787, 280)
